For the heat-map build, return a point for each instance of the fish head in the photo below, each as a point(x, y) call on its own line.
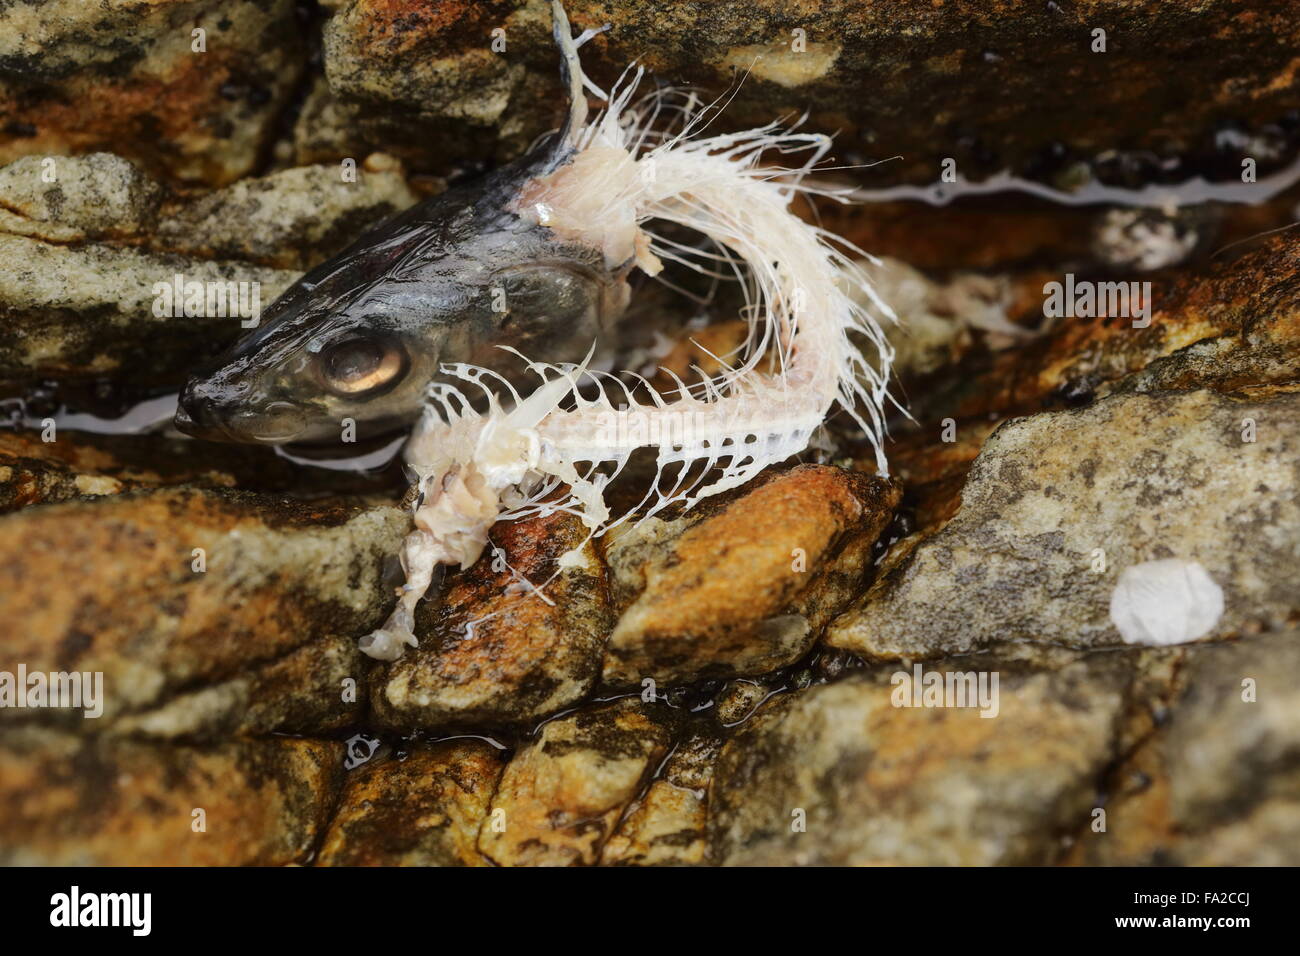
point(356, 343)
point(459, 278)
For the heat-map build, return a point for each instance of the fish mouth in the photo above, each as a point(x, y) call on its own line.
point(282, 423)
point(187, 424)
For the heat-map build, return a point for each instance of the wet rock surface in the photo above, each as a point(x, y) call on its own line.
point(56, 464)
point(666, 825)
point(78, 801)
point(1221, 325)
point(514, 639)
point(198, 107)
point(1215, 784)
point(841, 775)
point(83, 312)
point(741, 586)
point(733, 685)
point(562, 796)
point(423, 808)
point(1058, 505)
point(188, 585)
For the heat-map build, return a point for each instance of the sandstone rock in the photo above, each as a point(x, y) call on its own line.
point(740, 698)
point(88, 311)
point(1214, 783)
point(441, 82)
point(495, 651)
point(83, 77)
point(291, 219)
point(325, 131)
point(838, 775)
point(667, 825)
point(95, 801)
point(316, 689)
point(100, 196)
point(744, 583)
point(1230, 325)
point(1138, 477)
point(423, 809)
point(932, 71)
point(109, 585)
point(562, 796)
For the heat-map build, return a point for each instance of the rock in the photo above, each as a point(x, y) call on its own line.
point(740, 698)
point(423, 809)
point(316, 689)
point(1228, 326)
point(1129, 479)
point(292, 219)
point(109, 585)
point(74, 465)
point(83, 77)
point(88, 311)
point(96, 801)
point(1214, 784)
point(837, 775)
point(742, 583)
point(563, 795)
point(1256, 306)
point(1000, 233)
point(667, 826)
point(932, 71)
point(100, 196)
point(493, 651)
point(1229, 744)
point(441, 81)
point(325, 131)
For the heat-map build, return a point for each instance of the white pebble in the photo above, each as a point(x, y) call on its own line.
point(1165, 602)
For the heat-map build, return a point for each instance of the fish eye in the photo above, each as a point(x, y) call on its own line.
point(357, 366)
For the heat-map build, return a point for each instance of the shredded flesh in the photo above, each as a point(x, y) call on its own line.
point(809, 304)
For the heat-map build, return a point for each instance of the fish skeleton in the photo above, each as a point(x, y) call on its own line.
point(573, 222)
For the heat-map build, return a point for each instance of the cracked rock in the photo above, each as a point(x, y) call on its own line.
point(563, 795)
point(422, 809)
point(667, 825)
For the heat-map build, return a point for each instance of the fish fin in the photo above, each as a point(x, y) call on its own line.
point(574, 79)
